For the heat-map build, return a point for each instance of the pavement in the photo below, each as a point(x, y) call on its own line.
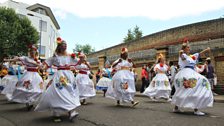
point(101, 111)
point(217, 98)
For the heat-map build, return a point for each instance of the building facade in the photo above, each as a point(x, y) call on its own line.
point(168, 42)
point(43, 20)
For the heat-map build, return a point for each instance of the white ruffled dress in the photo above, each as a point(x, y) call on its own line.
point(159, 86)
point(192, 89)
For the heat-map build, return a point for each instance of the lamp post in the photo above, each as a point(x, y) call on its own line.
point(40, 27)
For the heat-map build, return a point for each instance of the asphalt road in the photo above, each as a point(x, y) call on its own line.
point(101, 111)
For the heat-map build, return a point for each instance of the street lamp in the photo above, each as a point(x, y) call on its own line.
point(40, 27)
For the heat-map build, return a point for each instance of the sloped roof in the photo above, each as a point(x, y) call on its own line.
point(48, 11)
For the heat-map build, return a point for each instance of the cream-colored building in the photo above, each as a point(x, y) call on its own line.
point(43, 20)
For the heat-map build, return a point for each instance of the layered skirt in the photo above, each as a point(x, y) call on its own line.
point(28, 88)
point(122, 87)
point(62, 95)
point(192, 90)
point(85, 86)
point(9, 82)
point(159, 87)
point(103, 83)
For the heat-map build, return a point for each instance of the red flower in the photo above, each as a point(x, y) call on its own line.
point(161, 65)
point(58, 39)
point(193, 57)
point(30, 46)
point(185, 40)
point(73, 55)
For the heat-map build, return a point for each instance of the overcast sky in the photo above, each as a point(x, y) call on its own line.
point(104, 23)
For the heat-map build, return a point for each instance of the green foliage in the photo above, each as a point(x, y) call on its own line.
point(15, 33)
point(133, 35)
point(87, 49)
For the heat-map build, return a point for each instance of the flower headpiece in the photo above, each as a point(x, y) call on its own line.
point(32, 47)
point(185, 42)
point(59, 40)
point(124, 50)
point(73, 55)
point(81, 54)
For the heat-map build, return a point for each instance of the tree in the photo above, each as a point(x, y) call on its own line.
point(137, 33)
point(87, 49)
point(15, 33)
point(131, 36)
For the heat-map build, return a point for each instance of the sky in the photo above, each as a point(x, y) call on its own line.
point(104, 23)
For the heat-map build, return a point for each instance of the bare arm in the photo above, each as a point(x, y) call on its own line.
point(88, 65)
point(205, 51)
point(115, 64)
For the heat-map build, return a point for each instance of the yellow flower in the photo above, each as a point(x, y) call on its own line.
point(63, 80)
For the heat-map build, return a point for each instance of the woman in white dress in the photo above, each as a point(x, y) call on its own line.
point(11, 79)
point(159, 86)
point(106, 80)
point(30, 86)
point(192, 89)
point(123, 83)
point(84, 83)
point(61, 95)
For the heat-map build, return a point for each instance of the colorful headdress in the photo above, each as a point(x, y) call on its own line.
point(32, 47)
point(73, 55)
point(81, 54)
point(124, 50)
point(185, 43)
point(59, 40)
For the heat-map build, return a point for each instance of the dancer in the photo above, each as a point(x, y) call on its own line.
point(84, 83)
point(106, 80)
point(62, 94)
point(192, 89)
point(30, 85)
point(159, 86)
point(123, 83)
point(11, 79)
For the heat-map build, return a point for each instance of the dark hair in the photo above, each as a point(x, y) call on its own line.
point(124, 54)
point(209, 61)
point(171, 63)
point(58, 48)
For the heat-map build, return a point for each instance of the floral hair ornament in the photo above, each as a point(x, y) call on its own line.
point(32, 47)
point(124, 50)
point(59, 40)
point(73, 55)
point(185, 42)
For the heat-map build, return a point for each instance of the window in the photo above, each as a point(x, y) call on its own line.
point(42, 50)
point(43, 26)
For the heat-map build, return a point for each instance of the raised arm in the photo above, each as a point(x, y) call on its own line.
point(205, 51)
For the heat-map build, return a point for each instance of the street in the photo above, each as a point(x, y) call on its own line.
point(101, 111)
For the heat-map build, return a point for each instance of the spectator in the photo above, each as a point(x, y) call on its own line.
point(210, 74)
point(145, 79)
